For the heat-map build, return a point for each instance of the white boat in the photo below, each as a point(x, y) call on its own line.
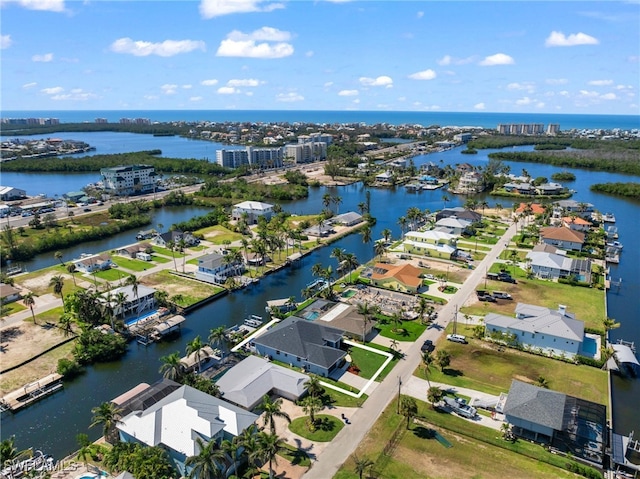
point(609, 218)
point(253, 321)
point(615, 244)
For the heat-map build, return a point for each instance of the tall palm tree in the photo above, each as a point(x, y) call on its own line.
point(366, 234)
point(271, 410)
point(132, 281)
point(402, 221)
point(408, 408)
point(350, 261)
point(427, 363)
point(445, 200)
point(64, 322)
point(208, 463)
point(218, 337)
point(108, 414)
point(367, 312)
point(362, 464)
point(71, 268)
point(233, 450)
point(172, 246)
point(311, 405)
point(120, 299)
point(269, 446)
point(379, 249)
point(172, 366)
point(314, 388)
point(29, 301)
point(337, 200)
point(386, 234)
point(58, 255)
point(195, 347)
point(57, 282)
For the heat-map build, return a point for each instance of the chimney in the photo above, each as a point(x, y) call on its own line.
point(562, 309)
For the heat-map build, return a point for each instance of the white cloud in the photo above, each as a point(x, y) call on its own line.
point(559, 39)
point(609, 96)
point(424, 75)
point(348, 93)
point(5, 41)
point(196, 98)
point(167, 48)
point(556, 81)
point(588, 94)
point(356, 101)
point(29, 85)
point(420, 14)
point(328, 84)
point(289, 97)
point(53, 90)
point(151, 97)
point(228, 90)
point(48, 5)
point(169, 89)
point(600, 82)
point(77, 94)
point(187, 87)
point(524, 101)
point(479, 106)
point(217, 8)
point(244, 82)
point(46, 58)
point(526, 86)
point(209, 82)
point(383, 80)
point(238, 44)
point(449, 60)
point(497, 59)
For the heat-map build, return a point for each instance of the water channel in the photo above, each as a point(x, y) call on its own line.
point(52, 424)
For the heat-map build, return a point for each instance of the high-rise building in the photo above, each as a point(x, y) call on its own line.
point(129, 180)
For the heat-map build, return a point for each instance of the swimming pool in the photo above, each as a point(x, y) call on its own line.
point(589, 346)
point(134, 320)
point(311, 315)
point(349, 293)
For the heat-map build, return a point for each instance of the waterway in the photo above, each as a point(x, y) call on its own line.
point(52, 424)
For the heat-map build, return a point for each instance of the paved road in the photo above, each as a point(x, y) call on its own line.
point(348, 439)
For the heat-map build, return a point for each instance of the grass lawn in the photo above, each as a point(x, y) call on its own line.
point(131, 264)
point(192, 291)
point(218, 234)
point(477, 452)
point(11, 308)
point(410, 330)
point(480, 365)
point(112, 275)
point(389, 366)
point(335, 398)
point(326, 428)
point(367, 361)
point(506, 254)
point(435, 299)
point(160, 259)
point(167, 252)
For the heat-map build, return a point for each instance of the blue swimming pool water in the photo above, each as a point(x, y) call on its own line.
point(310, 316)
point(134, 320)
point(589, 346)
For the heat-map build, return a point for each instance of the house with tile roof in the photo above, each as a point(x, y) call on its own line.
point(576, 223)
point(400, 277)
point(561, 237)
point(430, 243)
point(565, 423)
point(554, 332)
point(305, 344)
point(536, 208)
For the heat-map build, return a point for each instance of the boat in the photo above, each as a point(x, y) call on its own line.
point(253, 321)
point(615, 245)
point(608, 218)
point(625, 357)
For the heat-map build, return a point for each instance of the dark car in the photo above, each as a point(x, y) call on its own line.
point(87, 209)
point(427, 346)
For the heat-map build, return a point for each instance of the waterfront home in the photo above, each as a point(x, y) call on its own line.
point(175, 236)
point(175, 421)
point(347, 219)
point(319, 230)
point(552, 332)
point(9, 294)
point(251, 211)
point(385, 177)
point(547, 189)
point(145, 234)
point(561, 237)
point(135, 301)
point(460, 213)
point(576, 223)
point(536, 208)
point(133, 251)
point(556, 264)
point(564, 207)
point(215, 268)
point(9, 193)
point(430, 243)
point(93, 263)
point(564, 423)
point(625, 454)
point(400, 277)
point(309, 345)
point(519, 188)
point(470, 183)
point(453, 225)
point(246, 383)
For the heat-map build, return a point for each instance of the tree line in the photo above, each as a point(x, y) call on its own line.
point(629, 189)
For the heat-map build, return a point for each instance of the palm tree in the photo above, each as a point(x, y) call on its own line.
point(57, 282)
point(408, 408)
point(172, 246)
point(350, 261)
point(172, 366)
point(542, 382)
point(367, 312)
point(120, 299)
point(379, 249)
point(402, 221)
point(314, 388)
point(609, 324)
point(218, 337)
point(362, 464)
point(434, 395)
point(422, 308)
point(445, 200)
point(427, 362)
point(366, 234)
point(195, 347)
point(29, 301)
point(233, 450)
point(338, 254)
point(132, 281)
point(208, 463)
point(71, 268)
point(108, 414)
point(337, 200)
point(58, 255)
point(271, 410)
point(386, 234)
point(64, 322)
point(326, 200)
point(269, 445)
point(311, 405)
point(443, 359)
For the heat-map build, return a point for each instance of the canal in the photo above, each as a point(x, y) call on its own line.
point(52, 424)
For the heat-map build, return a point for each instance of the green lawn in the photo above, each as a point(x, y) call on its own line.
point(435, 299)
point(295, 456)
point(111, 275)
point(10, 308)
point(483, 366)
point(167, 252)
point(389, 366)
point(218, 234)
point(192, 291)
point(160, 259)
point(409, 331)
point(131, 264)
point(367, 361)
point(326, 429)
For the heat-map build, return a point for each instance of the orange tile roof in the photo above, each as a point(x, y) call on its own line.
point(404, 273)
point(576, 220)
point(562, 234)
point(537, 208)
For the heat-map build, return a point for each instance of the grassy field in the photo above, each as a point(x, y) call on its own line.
point(160, 259)
point(477, 452)
point(13, 307)
point(367, 361)
point(167, 252)
point(409, 331)
point(389, 366)
point(482, 366)
point(218, 234)
point(131, 264)
point(111, 275)
point(192, 291)
point(326, 428)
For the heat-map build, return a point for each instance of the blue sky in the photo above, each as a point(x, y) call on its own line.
point(498, 56)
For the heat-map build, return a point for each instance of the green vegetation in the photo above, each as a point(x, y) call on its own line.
point(111, 275)
point(295, 456)
point(367, 362)
point(241, 190)
point(69, 369)
point(327, 427)
point(219, 234)
point(93, 346)
point(563, 176)
point(139, 460)
point(132, 264)
point(405, 331)
point(629, 189)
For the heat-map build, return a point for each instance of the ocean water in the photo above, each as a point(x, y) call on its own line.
point(481, 119)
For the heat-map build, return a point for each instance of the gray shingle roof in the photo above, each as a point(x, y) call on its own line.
point(537, 319)
point(534, 404)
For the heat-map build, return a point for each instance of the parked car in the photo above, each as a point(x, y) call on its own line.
point(457, 338)
point(87, 209)
point(501, 295)
point(485, 296)
point(506, 277)
point(427, 346)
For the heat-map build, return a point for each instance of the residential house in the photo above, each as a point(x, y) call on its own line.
point(8, 293)
point(385, 177)
point(548, 265)
point(9, 193)
point(460, 213)
point(177, 418)
point(304, 344)
point(430, 243)
point(470, 182)
point(145, 234)
point(554, 332)
point(319, 230)
point(251, 211)
point(571, 425)
point(175, 236)
point(564, 238)
point(347, 219)
point(136, 301)
point(132, 251)
point(564, 207)
point(93, 263)
point(576, 223)
point(214, 268)
point(401, 277)
point(547, 189)
point(246, 383)
point(520, 188)
point(536, 208)
point(453, 225)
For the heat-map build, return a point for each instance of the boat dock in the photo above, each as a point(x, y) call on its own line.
point(155, 327)
point(30, 393)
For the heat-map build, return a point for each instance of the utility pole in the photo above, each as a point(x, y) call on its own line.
point(455, 321)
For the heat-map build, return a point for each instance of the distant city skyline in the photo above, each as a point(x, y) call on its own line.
point(522, 57)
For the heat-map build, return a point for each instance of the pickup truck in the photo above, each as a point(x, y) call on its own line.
point(460, 407)
point(501, 295)
point(485, 296)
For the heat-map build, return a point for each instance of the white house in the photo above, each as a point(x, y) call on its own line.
point(252, 210)
point(92, 263)
point(430, 243)
point(453, 225)
point(213, 268)
point(136, 301)
point(9, 193)
point(554, 332)
point(8, 293)
point(547, 265)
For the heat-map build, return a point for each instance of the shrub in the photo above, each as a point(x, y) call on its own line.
point(94, 346)
point(68, 369)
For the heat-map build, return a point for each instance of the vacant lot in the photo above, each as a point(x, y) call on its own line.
point(191, 291)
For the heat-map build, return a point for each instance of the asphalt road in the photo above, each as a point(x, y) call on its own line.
point(346, 442)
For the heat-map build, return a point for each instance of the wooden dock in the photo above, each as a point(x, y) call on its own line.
point(30, 393)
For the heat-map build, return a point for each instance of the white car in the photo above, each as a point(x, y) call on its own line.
point(457, 338)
